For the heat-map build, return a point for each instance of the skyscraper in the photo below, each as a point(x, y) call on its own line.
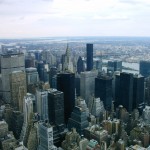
point(87, 85)
point(67, 64)
point(66, 84)
point(78, 120)
point(103, 89)
point(9, 63)
point(52, 74)
point(28, 108)
point(42, 103)
point(32, 75)
point(89, 50)
point(138, 90)
point(56, 106)
point(80, 65)
point(45, 132)
point(126, 91)
point(145, 68)
point(115, 65)
point(18, 88)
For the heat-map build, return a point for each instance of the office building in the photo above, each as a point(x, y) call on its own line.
point(97, 107)
point(87, 85)
point(77, 84)
point(138, 90)
point(18, 89)
point(97, 64)
point(28, 113)
point(32, 76)
point(145, 68)
point(89, 59)
point(55, 107)
point(126, 91)
point(52, 77)
point(115, 65)
point(29, 61)
point(67, 64)
point(9, 63)
point(103, 89)
point(117, 89)
point(146, 114)
point(38, 55)
point(78, 120)
point(80, 65)
point(43, 71)
point(66, 84)
point(28, 108)
point(45, 132)
point(42, 103)
point(82, 104)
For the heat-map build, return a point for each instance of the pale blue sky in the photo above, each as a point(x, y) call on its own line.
point(43, 18)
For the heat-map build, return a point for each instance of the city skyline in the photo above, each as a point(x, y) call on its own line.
point(46, 18)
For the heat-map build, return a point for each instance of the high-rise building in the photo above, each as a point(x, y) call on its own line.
point(138, 90)
point(32, 76)
point(9, 63)
point(146, 114)
point(29, 61)
point(78, 120)
point(42, 71)
point(126, 91)
point(52, 76)
point(97, 107)
point(103, 89)
point(115, 65)
point(87, 85)
point(117, 89)
point(77, 84)
point(28, 108)
point(28, 113)
point(56, 106)
point(42, 103)
point(45, 132)
point(145, 68)
point(18, 88)
point(66, 84)
point(67, 64)
point(97, 64)
point(89, 50)
point(80, 65)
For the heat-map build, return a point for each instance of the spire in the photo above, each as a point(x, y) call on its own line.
point(67, 51)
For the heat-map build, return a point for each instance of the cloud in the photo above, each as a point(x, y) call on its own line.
point(111, 17)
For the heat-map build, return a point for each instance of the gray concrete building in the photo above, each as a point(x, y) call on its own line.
point(9, 63)
point(87, 85)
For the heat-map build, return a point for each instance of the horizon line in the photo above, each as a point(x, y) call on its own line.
point(46, 37)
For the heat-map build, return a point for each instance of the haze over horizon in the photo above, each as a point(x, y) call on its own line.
point(51, 18)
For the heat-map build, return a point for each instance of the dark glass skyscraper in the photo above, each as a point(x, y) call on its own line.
point(55, 106)
point(126, 90)
point(103, 89)
point(145, 68)
point(80, 65)
point(138, 90)
point(66, 84)
point(89, 50)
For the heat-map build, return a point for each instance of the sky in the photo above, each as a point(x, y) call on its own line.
point(49, 18)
